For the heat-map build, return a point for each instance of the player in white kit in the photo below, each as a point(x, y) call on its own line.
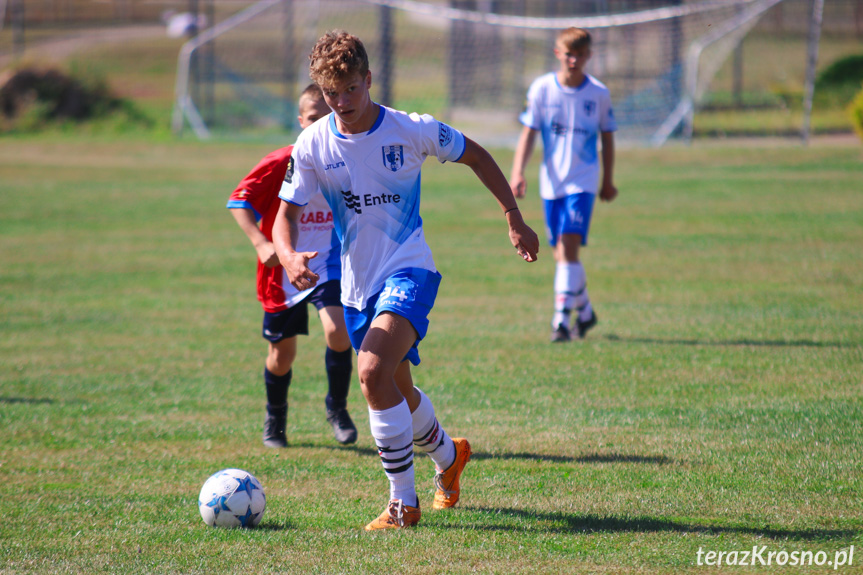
point(366, 160)
point(570, 109)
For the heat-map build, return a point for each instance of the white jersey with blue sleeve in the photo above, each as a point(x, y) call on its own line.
point(372, 183)
point(569, 121)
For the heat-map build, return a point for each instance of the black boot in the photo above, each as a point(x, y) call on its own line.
point(274, 426)
point(343, 426)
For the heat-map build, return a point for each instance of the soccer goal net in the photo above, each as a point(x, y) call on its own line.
point(468, 62)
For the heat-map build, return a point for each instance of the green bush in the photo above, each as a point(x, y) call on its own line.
point(847, 70)
point(856, 111)
point(839, 82)
point(34, 99)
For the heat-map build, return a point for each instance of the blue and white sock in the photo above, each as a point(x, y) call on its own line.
point(570, 292)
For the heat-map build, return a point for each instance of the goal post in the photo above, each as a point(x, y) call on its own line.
point(468, 62)
point(185, 107)
point(722, 40)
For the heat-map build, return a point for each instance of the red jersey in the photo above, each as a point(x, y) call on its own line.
point(259, 190)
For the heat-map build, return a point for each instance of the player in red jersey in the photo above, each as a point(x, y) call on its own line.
point(285, 307)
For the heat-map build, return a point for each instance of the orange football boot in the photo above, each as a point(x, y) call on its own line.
point(397, 515)
point(447, 482)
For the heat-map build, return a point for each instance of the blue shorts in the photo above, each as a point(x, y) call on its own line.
point(295, 320)
point(409, 293)
point(568, 215)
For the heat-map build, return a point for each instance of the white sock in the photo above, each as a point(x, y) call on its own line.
point(570, 289)
point(392, 430)
point(563, 300)
point(429, 436)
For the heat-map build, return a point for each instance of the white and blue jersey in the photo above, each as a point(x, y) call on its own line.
point(372, 183)
point(569, 121)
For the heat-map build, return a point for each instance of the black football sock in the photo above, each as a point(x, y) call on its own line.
point(339, 368)
point(277, 387)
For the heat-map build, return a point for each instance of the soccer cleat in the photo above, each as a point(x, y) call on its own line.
point(583, 326)
point(447, 482)
point(274, 427)
point(397, 515)
point(343, 426)
point(560, 334)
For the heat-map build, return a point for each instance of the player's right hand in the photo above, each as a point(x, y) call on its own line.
point(518, 185)
point(267, 255)
point(523, 238)
point(296, 266)
point(608, 193)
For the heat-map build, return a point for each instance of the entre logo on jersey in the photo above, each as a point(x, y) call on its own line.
point(352, 201)
point(356, 203)
point(371, 200)
point(559, 129)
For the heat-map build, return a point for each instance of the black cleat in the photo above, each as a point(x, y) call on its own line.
point(274, 426)
point(560, 334)
point(343, 426)
point(583, 326)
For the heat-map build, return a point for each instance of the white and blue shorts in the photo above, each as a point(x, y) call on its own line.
point(568, 215)
point(410, 293)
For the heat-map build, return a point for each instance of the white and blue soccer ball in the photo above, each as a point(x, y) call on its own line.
point(232, 498)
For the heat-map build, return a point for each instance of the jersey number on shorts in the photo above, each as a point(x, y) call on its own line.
point(394, 292)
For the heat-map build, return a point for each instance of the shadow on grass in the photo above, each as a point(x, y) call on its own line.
point(274, 527)
point(30, 400)
point(572, 523)
point(589, 458)
point(478, 456)
point(730, 342)
point(334, 446)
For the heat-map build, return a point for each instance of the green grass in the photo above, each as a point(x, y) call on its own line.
point(717, 406)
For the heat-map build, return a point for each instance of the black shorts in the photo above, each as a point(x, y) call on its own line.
point(295, 320)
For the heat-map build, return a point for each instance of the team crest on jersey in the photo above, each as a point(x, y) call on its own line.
point(290, 172)
point(444, 134)
point(589, 107)
point(393, 157)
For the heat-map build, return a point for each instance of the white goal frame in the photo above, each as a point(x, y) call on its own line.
point(697, 71)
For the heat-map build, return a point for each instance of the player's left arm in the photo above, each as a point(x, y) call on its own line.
point(523, 238)
point(608, 191)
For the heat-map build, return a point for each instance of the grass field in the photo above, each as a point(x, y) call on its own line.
point(716, 407)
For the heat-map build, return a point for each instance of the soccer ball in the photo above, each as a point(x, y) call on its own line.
point(232, 498)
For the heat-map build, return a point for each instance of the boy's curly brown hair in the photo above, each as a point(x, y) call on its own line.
point(336, 56)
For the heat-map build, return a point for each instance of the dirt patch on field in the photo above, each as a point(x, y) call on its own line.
point(57, 50)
